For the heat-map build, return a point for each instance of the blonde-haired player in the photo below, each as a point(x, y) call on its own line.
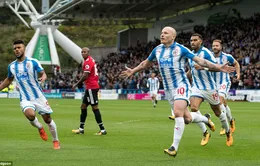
point(171, 57)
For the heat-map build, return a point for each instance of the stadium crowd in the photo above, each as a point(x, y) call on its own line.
point(241, 38)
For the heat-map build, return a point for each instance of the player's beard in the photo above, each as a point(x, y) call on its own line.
point(195, 48)
point(216, 52)
point(20, 57)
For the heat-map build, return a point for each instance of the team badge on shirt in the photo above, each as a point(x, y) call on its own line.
point(175, 52)
point(158, 52)
point(224, 59)
point(87, 67)
point(27, 65)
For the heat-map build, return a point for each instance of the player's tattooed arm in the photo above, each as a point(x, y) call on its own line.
point(213, 67)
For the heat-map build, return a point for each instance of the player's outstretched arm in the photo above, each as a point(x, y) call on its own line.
point(143, 65)
point(213, 67)
point(198, 67)
point(6, 83)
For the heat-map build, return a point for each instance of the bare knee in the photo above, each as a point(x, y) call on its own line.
point(217, 113)
point(193, 109)
point(30, 114)
point(94, 107)
point(47, 118)
point(187, 120)
point(83, 106)
point(216, 109)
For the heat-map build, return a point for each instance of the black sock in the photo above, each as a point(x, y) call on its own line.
point(99, 119)
point(83, 117)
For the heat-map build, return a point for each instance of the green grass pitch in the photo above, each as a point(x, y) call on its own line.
point(137, 135)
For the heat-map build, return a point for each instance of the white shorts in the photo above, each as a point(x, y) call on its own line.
point(210, 95)
point(154, 92)
point(181, 93)
point(40, 104)
point(224, 89)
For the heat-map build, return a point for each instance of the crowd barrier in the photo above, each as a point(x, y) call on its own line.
point(115, 94)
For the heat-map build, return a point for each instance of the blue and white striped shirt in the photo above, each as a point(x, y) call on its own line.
point(26, 75)
point(203, 79)
point(153, 84)
point(171, 63)
point(221, 77)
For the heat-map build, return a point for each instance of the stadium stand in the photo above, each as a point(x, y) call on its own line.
point(240, 37)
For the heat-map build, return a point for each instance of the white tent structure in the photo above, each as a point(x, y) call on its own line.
point(42, 45)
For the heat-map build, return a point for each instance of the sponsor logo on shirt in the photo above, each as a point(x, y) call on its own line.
point(166, 62)
point(22, 76)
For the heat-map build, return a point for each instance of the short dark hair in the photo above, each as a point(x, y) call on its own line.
point(154, 72)
point(197, 34)
point(19, 42)
point(218, 40)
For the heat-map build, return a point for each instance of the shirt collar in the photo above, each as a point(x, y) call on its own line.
point(198, 50)
point(171, 46)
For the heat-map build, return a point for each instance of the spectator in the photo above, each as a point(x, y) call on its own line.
point(241, 38)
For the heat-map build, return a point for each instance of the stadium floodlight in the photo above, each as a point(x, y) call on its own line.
point(42, 45)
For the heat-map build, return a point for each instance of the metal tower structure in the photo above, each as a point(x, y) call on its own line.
point(42, 45)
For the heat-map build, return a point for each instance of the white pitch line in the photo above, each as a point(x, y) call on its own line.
point(129, 121)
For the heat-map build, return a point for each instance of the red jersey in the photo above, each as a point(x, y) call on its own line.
point(90, 66)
